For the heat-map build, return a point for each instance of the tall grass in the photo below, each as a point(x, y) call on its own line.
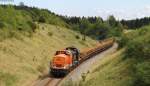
point(28, 58)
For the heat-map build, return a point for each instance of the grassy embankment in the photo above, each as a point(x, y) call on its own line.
point(110, 71)
point(129, 66)
point(23, 60)
point(28, 39)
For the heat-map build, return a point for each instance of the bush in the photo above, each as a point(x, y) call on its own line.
point(139, 47)
point(32, 25)
point(42, 19)
point(77, 37)
point(122, 41)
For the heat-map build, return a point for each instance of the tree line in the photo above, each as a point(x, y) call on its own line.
point(24, 18)
point(95, 27)
point(136, 23)
point(98, 28)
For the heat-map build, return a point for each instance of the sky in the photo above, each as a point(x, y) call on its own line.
point(121, 9)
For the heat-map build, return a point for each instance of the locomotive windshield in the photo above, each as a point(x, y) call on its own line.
point(62, 52)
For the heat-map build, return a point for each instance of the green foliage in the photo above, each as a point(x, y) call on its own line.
point(112, 21)
point(117, 31)
point(137, 42)
point(136, 23)
point(84, 25)
point(95, 27)
point(6, 33)
point(100, 29)
point(42, 19)
point(33, 26)
point(77, 37)
point(122, 41)
point(22, 20)
point(137, 45)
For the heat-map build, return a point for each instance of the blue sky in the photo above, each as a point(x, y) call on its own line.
point(121, 9)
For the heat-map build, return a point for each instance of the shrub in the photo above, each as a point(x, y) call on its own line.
point(122, 41)
point(42, 19)
point(139, 47)
point(77, 37)
point(32, 25)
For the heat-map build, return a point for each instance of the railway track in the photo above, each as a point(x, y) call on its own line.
point(51, 81)
point(47, 81)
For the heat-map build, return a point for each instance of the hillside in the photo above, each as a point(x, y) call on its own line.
point(24, 20)
point(110, 71)
point(23, 60)
point(129, 66)
point(29, 37)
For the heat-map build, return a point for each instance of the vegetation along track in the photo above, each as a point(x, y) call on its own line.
point(53, 81)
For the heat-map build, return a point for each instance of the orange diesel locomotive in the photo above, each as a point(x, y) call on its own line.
point(69, 58)
point(64, 60)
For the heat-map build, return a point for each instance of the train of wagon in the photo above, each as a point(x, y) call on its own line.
point(67, 59)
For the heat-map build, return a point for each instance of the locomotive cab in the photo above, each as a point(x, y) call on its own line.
point(64, 61)
point(61, 62)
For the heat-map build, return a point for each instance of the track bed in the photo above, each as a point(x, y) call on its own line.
point(75, 74)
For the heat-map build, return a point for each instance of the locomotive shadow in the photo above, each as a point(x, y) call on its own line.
point(42, 77)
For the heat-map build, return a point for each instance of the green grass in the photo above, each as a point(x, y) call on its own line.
point(110, 71)
point(24, 59)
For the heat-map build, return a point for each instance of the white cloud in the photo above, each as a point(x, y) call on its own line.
point(124, 13)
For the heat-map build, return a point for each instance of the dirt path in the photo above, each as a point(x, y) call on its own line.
point(75, 75)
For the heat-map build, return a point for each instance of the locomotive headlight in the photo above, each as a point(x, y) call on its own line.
point(64, 67)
